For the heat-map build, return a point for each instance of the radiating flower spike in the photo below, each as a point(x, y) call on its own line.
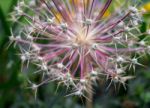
point(74, 42)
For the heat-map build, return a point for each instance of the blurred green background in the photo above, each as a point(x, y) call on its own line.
point(13, 83)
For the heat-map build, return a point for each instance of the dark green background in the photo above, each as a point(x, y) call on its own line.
point(13, 83)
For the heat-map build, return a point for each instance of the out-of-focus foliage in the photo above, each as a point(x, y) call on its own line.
point(13, 83)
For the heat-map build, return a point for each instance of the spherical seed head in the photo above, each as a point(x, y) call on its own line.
point(74, 39)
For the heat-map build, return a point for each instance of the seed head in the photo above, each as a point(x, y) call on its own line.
point(75, 42)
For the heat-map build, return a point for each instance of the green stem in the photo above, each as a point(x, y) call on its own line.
point(89, 100)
